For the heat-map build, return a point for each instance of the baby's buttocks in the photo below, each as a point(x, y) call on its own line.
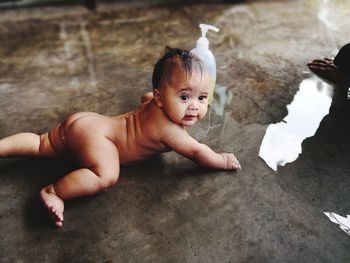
point(61, 136)
point(57, 139)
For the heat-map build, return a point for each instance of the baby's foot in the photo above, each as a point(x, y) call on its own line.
point(53, 203)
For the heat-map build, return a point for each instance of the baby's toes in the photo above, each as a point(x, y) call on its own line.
point(56, 214)
point(59, 215)
point(52, 212)
point(59, 223)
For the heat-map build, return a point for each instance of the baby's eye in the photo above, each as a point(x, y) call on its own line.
point(184, 97)
point(202, 97)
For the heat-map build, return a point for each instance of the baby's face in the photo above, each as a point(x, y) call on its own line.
point(185, 101)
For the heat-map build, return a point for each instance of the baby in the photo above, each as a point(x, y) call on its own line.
point(100, 143)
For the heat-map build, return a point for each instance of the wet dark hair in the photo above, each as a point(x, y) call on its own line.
point(165, 66)
point(342, 59)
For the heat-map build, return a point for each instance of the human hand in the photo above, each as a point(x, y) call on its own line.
point(232, 162)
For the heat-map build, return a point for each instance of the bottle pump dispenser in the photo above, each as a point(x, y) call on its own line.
point(203, 52)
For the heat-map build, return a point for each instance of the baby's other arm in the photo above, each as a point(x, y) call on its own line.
point(146, 97)
point(181, 142)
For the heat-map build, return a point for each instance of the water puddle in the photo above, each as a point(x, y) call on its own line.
point(282, 141)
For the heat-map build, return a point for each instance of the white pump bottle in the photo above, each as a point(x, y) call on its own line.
point(203, 52)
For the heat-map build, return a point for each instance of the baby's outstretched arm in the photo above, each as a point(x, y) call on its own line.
point(180, 141)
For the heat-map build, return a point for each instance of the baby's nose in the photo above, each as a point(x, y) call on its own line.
point(193, 106)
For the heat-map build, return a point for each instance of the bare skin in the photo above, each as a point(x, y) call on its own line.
point(100, 143)
point(326, 69)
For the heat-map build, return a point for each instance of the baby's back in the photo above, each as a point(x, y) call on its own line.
point(136, 136)
point(128, 132)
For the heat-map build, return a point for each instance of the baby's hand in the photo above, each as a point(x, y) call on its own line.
point(231, 162)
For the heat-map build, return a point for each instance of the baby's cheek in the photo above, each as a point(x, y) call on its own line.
point(202, 115)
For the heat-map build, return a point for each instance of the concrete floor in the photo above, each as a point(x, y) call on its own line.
point(56, 61)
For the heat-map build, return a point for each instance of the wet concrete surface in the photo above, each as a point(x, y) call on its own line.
point(57, 61)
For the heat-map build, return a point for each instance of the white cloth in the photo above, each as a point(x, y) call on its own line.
point(343, 222)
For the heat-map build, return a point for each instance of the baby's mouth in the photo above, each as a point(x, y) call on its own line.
point(190, 117)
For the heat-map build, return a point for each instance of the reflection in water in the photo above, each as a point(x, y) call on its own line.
point(282, 141)
point(333, 20)
point(222, 97)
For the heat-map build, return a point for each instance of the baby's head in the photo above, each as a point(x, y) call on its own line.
point(181, 86)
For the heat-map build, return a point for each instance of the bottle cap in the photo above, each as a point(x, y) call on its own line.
point(203, 42)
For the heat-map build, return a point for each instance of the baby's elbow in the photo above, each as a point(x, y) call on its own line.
point(195, 154)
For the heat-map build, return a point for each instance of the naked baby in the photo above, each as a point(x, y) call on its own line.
point(100, 143)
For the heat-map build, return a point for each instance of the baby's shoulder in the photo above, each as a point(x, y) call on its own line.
point(158, 123)
point(169, 129)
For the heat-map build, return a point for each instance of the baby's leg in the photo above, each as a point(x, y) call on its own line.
point(26, 144)
point(99, 160)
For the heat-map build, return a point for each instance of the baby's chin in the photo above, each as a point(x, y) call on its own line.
point(186, 126)
point(189, 122)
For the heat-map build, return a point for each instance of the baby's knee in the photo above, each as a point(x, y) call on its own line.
point(109, 179)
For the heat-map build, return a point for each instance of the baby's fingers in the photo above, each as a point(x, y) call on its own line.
point(235, 163)
point(232, 162)
point(236, 166)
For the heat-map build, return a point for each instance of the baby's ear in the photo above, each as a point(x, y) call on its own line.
point(157, 97)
